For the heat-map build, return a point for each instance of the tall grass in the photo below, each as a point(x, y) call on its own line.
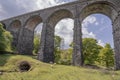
point(43, 71)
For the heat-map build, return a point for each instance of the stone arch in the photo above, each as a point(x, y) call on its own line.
point(32, 22)
point(102, 7)
point(27, 37)
point(47, 52)
point(58, 15)
point(14, 28)
point(110, 10)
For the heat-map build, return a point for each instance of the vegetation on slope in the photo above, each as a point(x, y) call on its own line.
point(5, 39)
point(42, 71)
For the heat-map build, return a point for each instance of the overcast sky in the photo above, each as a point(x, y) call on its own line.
point(96, 26)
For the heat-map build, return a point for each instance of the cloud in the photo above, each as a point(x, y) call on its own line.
point(101, 43)
point(96, 23)
point(17, 7)
point(38, 28)
point(64, 28)
point(89, 20)
point(10, 8)
point(86, 22)
point(86, 34)
point(48, 3)
point(2, 12)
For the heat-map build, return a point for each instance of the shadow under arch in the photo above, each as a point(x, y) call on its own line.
point(32, 22)
point(14, 29)
point(27, 37)
point(14, 25)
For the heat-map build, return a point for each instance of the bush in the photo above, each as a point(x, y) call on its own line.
point(5, 39)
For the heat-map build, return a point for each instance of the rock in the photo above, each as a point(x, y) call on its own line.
point(1, 72)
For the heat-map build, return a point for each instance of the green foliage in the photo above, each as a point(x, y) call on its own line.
point(57, 53)
point(93, 54)
point(66, 57)
point(71, 45)
point(57, 50)
point(43, 71)
point(90, 50)
point(96, 54)
point(5, 40)
point(62, 56)
point(36, 43)
point(106, 56)
point(2, 39)
point(57, 41)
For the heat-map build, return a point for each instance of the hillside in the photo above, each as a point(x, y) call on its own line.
point(9, 66)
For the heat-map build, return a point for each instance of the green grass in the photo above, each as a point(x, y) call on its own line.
point(42, 71)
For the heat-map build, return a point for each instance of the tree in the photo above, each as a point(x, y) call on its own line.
point(58, 40)
point(57, 51)
point(71, 45)
point(106, 56)
point(90, 50)
point(5, 39)
point(36, 43)
point(62, 56)
point(66, 56)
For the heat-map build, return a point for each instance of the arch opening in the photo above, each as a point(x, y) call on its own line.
point(63, 39)
point(37, 38)
point(28, 33)
point(97, 36)
point(52, 22)
point(100, 7)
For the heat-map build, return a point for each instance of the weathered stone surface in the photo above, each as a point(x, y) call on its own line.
point(116, 35)
point(77, 11)
point(77, 41)
point(46, 52)
point(14, 28)
point(25, 45)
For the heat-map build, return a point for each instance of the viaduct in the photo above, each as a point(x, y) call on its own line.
point(22, 27)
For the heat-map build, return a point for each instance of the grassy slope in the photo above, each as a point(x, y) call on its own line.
point(43, 71)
